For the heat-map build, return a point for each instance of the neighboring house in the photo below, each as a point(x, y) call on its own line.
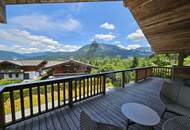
point(23, 69)
point(31, 69)
point(67, 68)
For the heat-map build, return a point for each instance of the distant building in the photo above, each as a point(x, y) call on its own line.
point(67, 68)
point(25, 69)
point(31, 69)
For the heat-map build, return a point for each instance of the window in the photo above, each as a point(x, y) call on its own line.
point(10, 75)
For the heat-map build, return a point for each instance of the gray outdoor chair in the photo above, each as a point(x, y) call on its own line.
point(175, 98)
point(86, 123)
point(177, 123)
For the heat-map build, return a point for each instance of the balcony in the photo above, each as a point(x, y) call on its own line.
point(60, 101)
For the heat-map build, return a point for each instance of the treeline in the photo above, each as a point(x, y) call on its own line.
point(118, 63)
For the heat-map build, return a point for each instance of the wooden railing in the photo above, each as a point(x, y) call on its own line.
point(164, 72)
point(22, 101)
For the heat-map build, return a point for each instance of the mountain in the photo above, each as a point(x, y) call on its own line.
point(105, 50)
point(91, 50)
point(7, 55)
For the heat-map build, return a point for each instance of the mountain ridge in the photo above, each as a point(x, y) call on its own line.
point(89, 50)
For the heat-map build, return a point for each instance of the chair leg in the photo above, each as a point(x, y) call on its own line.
point(162, 115)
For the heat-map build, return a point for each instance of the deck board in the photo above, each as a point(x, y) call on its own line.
point(102, 108)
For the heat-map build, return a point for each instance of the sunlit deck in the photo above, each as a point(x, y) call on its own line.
point(102, 108)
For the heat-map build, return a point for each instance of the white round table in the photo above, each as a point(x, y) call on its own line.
point(140, 114)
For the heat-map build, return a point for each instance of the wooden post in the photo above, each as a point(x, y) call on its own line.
point(2, 12)
point(136, 76)
point(181, 59)
point(2, 112)
point(123, 79)
point(104, 84)
point(70, 94)
point(146, 74)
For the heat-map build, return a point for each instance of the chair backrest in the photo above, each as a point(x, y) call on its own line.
point(177, 123)
point(184, 96)
point(170, 91)
point(86, 123)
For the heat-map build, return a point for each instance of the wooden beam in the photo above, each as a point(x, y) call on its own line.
point(2, 12)
point(51, 1)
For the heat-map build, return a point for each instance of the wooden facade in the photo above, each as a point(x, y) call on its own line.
point(69, 67)
point(8, 66)
point(20, 69)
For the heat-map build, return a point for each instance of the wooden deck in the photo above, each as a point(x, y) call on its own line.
point(102, 108)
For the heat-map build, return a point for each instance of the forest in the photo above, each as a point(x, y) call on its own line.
point(118, 63)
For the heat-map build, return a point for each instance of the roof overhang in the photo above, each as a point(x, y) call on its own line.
point(8, 62)
point(2, 12)
point(165, 23)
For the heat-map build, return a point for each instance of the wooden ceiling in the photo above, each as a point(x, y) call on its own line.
point(2, 12)
point(165, 23)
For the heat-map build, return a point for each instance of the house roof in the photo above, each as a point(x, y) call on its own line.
point(23, 62)
point(55, 63)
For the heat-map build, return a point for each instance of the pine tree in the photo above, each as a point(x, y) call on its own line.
point(134, 62)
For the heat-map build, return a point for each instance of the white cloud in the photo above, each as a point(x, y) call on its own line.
point(129, 47)
point(25, 42)
point(138, 35)
point(107, 26)
point(41, 22)
point(76, 7)
point(2, 47)
point(105, 37)
point(117, 42)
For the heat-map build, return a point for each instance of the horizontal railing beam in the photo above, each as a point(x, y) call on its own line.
point(59, 80)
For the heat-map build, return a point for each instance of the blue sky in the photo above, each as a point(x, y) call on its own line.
point(67, 27)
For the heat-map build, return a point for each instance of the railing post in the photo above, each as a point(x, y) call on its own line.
point(136, 75)
point(123, 79)
point(152, 71)
point(104, 84)
point(2, 112)
point(70, 87)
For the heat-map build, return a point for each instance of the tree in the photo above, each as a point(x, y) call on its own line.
point(134, 62)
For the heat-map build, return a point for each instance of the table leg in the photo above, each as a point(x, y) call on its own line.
point(151, 128)
point(127, 126)
point(129, 123)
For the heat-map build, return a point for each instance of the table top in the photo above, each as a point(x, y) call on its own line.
point(140, 114)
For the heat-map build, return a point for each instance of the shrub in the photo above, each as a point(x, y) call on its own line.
point(9, 81)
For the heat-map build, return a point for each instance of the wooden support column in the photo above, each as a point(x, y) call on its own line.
point(136, 76)
point(2, 12)
point(181, 59)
